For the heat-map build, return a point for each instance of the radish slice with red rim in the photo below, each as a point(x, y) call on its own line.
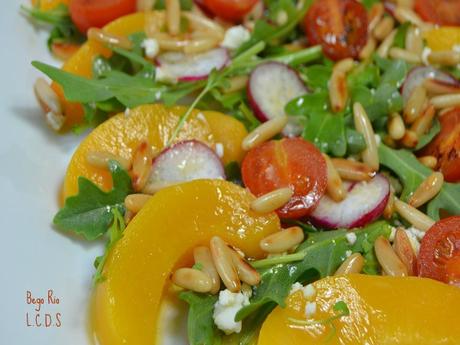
point(419, 74)
point(270, 87)
point(186, 161)
point(185, 67)
point(364, 203)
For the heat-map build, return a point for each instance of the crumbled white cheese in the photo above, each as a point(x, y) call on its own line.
point(220, 150)
point(348, 253)
point(415, 244)
point(235, 37)
point(295, 287)
point(351, 238)
point(310, 309)
point(201, 117)
point(158, 95)
point(425, 54)
point(151, 47)
point(127, 112)
point(281, 17)
point(419, 234)
point(225, 309)
point(309, 291)
point(164, 75)
point(378, 139)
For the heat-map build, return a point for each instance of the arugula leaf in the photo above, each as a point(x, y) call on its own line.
point(200, 324)
point(400, 38)
point(89, 213)
point(428, 137)
point(320, 255)
point(412, 173)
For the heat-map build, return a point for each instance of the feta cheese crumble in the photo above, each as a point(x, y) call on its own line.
point(310, 309)
point(308, 291)
point(348, 253)
point(220, 150)
point(235, 37)
point(225, 309)
point(351, 238)
point(151, 47)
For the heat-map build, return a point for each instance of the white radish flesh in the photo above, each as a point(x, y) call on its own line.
point(364, 203)
point(186, 161)
point(179, 66)
point(271, 86)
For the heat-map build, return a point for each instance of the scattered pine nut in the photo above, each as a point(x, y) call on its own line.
point(390, 206)
point(410, 139)
point(264, 132)
point(142, 165)
point(353, 264)
point(385, 46)
point(429, 161)
point(404, 14)
point(154, 187)
point(396, 128)
point(405, 3)
point(388, 259)
point(352, 170)
point(55, 121)
point(403, 54)
point(435, 88)
point(200, 45)
point(103, 37)
point(173, 14)
point(338, 90)
point(202, 256)
point(414, 41)
point(102, 159)
point(48, 99)
point(384, 28)
point(415, 104)
point(445, 58)
point(236, 84)
point(283, 240)
point(272, 201)
point(417, 218)
point(246, 272)
point(375, 15)
point(335, 187)
point(427, 190)
point(128, 216)
point(363, 125)
point(224, 265)
point(135, 202)
point(368, 49)
point(424, 122)
point(446, 101)
point(404, 251)
point(191, 279)
point(144, 5)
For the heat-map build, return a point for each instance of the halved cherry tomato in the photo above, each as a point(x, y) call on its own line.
point(439, 256)
point(442, 12)
point(232, 10)
point(97, 13)
point(292, 162)
point(446, 146)
point(340, 26)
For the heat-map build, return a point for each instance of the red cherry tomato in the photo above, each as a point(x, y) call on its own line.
point(439, 256)
point(97, 13)
point(340, 26)
point(232, 10)
point(442, 12)
point(292, 162)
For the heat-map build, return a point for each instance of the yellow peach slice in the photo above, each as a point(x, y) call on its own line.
point(161, 238)
point(121, 134)
point(383, 310)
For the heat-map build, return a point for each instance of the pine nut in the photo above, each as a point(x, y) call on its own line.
point(383, 28)
point(410, 139)
point(144, 5)
point(191, 279)
point(142, 165)
point(414, 41)
point(154, 23)
point(102, 159)
point(272, 201)
point(429, 161)
point(135, 202)
point(405, 3)
point(173, 16)
point(224, 264)
point(375, 15)
point(389, 141)
point(236, 84)
point(446, 101)
point(128, 216)
point(415, 104)
point(427, 190)
point(368, 49)
point(353, 264)
point(403, 14)
point(402, 54)
point(48, 99)
point(434, 87)
point(396, 128)
point(423, 123)
point(338, 90)
point(264, 132)
point(54, 120)
point(363, 125)
point(283, 240)
point(390, 262)
point(445, 58)
point(385, 46)
point(200, 45)
point(202, 256)
point(154, 187)
point(390, 206)
point(335, 187)
point(353, 171)
point(417, 218)
point(404, 251)
point(246, 272)
point(103, 37)
point(200, 22)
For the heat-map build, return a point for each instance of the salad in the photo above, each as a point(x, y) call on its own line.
point(275, 171)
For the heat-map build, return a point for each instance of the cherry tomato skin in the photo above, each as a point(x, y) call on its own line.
point(340, 26)
point(231, 10)
point(439, 256)
point(97, 13)
point(290, 162)
point(442, 12)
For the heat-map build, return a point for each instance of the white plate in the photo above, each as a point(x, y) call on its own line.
point(34, 257)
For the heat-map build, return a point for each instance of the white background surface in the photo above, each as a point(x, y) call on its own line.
point(33, 256)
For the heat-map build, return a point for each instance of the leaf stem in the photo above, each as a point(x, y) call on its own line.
point(284, 259)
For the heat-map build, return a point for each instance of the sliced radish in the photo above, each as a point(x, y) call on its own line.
point(364, 203)
point(271, 86)
point(185, 161)
point(419, 74)
point(185, 67)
